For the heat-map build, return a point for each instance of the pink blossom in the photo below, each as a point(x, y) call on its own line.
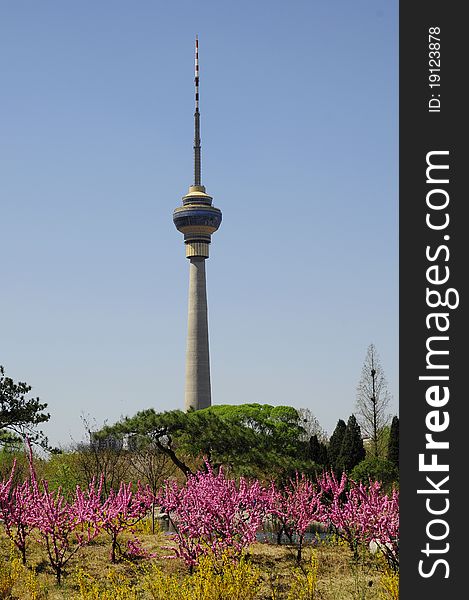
point(122, 510)
point(297, 506)
point(211, 513)
point(362, 513)
point(15, 509)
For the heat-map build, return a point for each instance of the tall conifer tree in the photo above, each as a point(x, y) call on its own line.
point(335, 444)
point(352, 451)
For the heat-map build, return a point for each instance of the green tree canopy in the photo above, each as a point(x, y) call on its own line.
point(20, 416)
point(376, 468)
point(251, 439)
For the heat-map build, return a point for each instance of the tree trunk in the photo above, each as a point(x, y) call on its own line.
point(300, 545)
point(113, 548)
point(279, 536)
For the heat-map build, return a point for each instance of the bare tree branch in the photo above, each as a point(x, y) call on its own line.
point(373, 398)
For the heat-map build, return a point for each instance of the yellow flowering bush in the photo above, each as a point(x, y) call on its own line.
point(304, 582)
point(212, 580)
point(9, 572)
point(389, 583)
point(116, 587)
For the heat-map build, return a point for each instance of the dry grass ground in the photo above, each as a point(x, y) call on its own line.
point(339, 577)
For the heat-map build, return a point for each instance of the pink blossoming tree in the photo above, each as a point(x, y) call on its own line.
point(362, 513)
point(211, 513)
point(64, 527)
point(121, 511)
point(297, 507)
point(16, 503)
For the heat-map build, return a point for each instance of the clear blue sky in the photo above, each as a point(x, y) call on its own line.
point(299, 105)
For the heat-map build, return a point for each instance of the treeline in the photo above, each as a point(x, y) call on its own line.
point(256, 441)
point(250, 440)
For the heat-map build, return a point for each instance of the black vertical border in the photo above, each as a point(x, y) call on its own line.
point(419, 133)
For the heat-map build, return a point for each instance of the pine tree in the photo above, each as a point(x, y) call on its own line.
point(19, 415)
point(335, 444)
point(393, 445)
point(352, 451)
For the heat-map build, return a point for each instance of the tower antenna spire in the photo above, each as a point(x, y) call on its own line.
point(197, 180)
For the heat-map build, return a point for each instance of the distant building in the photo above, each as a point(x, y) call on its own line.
point(109, 442)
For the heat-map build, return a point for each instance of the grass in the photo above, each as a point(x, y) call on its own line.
point(333, 575)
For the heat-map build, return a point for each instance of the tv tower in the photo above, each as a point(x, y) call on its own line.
point(197, 219)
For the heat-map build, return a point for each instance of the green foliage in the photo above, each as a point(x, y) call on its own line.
point(266, 437)
point(318, 451)
point(7, 458)
point(383, 441)
point(352, 450)
point(61, 471)
point(335, 444)
point(19, 415)
point(10, 441)
point(393, 444)
point(249, 439)
point(379, 469)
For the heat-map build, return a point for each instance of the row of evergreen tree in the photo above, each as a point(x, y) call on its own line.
point(346, 448)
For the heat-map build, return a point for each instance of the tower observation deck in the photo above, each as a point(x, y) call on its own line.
point(197, 219)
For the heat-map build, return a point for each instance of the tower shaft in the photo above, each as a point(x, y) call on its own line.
point(197, 390)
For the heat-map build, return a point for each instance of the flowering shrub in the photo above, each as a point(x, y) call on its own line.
point(379, 519)
point(16, 505)
point(212, 514)
point(117, 587)
point(63, 527)
point(304, 584)
point(297, 506)
point(389, 584)
point(362, 513)
point(341, 509)
point(214, 578)
point(121, 511)
point(9, 573)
